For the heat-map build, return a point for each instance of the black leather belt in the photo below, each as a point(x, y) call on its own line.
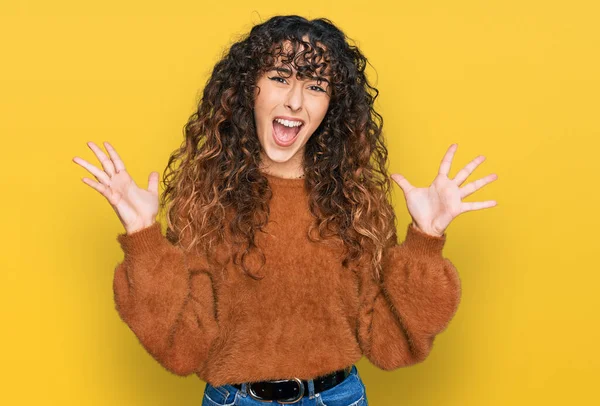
point(292, 390)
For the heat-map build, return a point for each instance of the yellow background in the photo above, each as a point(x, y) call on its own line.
point(516, 81)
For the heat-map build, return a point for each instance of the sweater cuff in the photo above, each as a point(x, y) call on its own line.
point(421, 243)
point(148, 239)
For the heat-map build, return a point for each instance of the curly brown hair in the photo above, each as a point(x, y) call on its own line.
point(213, 178)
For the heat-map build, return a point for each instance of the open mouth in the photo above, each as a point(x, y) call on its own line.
point(285, 135)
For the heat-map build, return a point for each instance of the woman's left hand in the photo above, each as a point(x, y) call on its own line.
point(433, 208)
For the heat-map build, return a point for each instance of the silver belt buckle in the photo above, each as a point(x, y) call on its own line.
point(297, 399)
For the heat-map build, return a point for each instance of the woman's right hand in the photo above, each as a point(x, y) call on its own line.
point(137, 208)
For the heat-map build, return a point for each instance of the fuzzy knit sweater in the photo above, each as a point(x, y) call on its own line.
point(307, 317)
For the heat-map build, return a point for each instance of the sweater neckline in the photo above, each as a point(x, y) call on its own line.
point(287, 182)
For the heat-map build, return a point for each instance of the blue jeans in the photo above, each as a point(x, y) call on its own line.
point(350, 392)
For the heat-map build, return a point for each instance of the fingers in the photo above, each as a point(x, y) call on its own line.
point(111, 166)
point(104, 190)
point(447, 160)
point(464, 173)
point(116, 159)
point(106, 162)
point(402, 182)
point(153, 183)
point(100, 175)
point(470, 206)
point(471, 187)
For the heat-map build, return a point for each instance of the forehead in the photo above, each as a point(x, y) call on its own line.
point(302, 57)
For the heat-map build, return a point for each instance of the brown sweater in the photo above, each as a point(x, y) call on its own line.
point(307, 317)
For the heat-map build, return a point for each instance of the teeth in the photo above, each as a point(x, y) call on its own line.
point(288, 123)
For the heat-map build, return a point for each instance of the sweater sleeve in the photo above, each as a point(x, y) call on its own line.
point(167, 305)
point(417, 296)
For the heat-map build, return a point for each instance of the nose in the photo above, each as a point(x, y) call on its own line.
point(294, 97)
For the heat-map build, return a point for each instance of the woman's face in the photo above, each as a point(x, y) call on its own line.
point(287, 111)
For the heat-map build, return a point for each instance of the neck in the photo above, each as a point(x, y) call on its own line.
point(282, 172)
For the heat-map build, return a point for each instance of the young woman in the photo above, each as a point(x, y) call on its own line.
point(280, 267)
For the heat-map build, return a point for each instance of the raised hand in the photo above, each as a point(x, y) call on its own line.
point(136, 208)
point(434, 207)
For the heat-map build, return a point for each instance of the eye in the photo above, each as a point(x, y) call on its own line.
point(277, 78)
point(282, 80)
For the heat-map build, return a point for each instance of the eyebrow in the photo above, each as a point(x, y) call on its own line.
point(288, 71)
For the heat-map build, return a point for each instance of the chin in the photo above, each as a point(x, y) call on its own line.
point(275, 155)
